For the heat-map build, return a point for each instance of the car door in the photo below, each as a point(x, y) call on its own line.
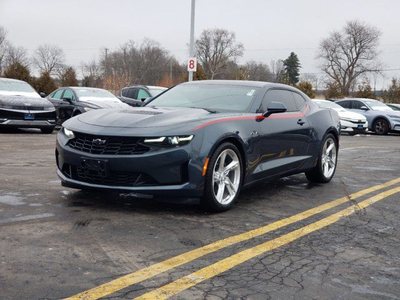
point(69, 101)
point(56, 99)
point(368, 113)
point(285, 137)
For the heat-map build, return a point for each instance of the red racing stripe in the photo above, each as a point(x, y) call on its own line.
point(258, 117)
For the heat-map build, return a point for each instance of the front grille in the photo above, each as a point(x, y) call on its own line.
point(113, 178)
point(107, 145)
point(358, 122)
point(14, 115)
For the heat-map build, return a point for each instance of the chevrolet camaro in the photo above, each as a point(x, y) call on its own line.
point(205, 139)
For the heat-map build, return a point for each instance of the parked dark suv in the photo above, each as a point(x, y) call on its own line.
point(136, 95)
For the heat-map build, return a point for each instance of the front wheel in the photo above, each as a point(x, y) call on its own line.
point(327, 161)
point(381, 127)
point(223, 178)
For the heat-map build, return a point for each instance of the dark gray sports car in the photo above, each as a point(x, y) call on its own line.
point(22, 107)
point(206, 139)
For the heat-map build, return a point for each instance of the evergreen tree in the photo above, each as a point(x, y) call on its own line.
point(45, 84)
point(18, 71)
point(68, 77)
point(292, 68)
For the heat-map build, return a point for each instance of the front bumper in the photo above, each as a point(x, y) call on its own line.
point(395, 125)
point(19, 118)
point(171, 172)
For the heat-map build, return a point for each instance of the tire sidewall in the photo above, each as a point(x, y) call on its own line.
point(323, 177)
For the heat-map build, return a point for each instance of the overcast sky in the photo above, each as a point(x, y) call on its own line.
point(269, 30)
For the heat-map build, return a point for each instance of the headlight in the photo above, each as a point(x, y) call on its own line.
point(87, 108)
point(169, 140)
point(68, 133)
point(346, 119)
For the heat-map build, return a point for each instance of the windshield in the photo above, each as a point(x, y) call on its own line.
point(156, 92)
point(94, 94)
point(376, 105)
point(16, 86)
point(328, 104)
point(213, 97)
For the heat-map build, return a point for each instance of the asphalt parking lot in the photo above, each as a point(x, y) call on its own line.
point(286, 239)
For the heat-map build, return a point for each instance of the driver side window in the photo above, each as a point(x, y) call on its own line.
point(357, 105)
point(69, 94)
point(57, 95)
point(283, 96)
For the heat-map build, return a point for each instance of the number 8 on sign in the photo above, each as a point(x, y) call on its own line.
point(192, 64)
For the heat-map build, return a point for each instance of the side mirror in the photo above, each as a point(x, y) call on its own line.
point(364, 107)
point(146, 99)
point(43, 95)
point(275, 108)
point(67, 99)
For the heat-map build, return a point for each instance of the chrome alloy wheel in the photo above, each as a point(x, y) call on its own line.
point(226, 176)
point(328, 163)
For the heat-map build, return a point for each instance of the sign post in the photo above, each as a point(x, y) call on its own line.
point(192, 59)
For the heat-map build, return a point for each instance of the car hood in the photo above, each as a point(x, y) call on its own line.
point(144, 117)
point(106, 103)
point(350, 115)
point(24, 102)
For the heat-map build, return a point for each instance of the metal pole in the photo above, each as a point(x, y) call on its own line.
point(192, 37)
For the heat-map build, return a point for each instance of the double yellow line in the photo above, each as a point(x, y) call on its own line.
point(210, 271)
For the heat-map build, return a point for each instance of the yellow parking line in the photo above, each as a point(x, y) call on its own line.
point(158, 268)
point(224, 265)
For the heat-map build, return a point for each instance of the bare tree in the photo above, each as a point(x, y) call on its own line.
point(215, 48)
point(258, 71)
point(278, 71)
point(350, 53)
point(48, 58)
point(15, 54)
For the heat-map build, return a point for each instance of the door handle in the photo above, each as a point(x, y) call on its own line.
point(300, 122)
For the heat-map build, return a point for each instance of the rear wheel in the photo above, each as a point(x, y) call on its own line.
point(327, 161)
point(47, 130)
point(381, 126)
point(223, 178)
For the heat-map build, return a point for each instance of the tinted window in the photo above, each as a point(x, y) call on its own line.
point(123, 92)
point(357, 105)
point(345, 104)
point(57, 94)
point(142, 94)
point(299, 100)
point(283, 96)
point(69, 94)
point(131, 94)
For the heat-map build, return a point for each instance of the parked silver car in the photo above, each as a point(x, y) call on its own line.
point(381, 118)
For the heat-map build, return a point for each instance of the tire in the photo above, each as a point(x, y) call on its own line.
point(222, 188)
point(327, 161)
point(47, 130)
point(381, 127)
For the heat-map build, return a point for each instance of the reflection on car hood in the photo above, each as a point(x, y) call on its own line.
point(25, 94)
point(106, 103)
point(350, 115)
point(144, 117)
point(24, 102)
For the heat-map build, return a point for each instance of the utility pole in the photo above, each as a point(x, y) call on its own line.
point(106, 61)
point(192, 37)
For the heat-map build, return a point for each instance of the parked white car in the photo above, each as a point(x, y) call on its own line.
point(350, 122)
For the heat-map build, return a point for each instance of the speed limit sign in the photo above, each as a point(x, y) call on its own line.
point(192, 64)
